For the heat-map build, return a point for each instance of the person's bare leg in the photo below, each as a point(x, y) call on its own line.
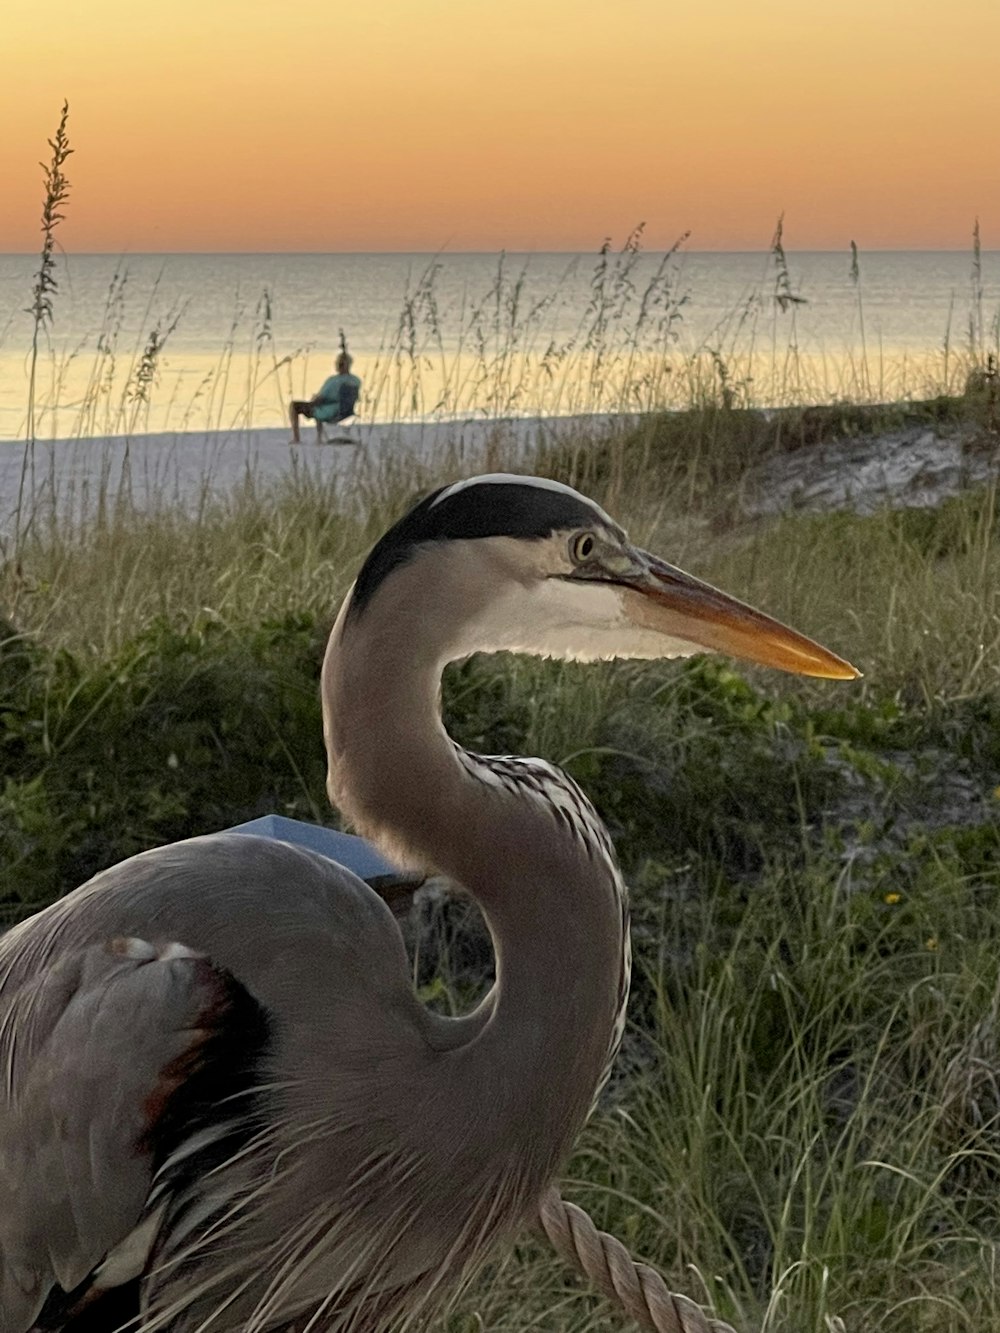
point(293, 417)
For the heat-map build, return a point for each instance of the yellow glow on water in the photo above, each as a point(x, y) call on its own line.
point(474, 124)
point(79, 397)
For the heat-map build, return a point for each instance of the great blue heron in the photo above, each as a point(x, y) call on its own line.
point(223, 1106)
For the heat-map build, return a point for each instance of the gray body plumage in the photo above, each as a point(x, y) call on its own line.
point(356, 1198)
point(222, 1106)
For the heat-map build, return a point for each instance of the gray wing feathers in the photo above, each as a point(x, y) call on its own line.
point(90, 1051)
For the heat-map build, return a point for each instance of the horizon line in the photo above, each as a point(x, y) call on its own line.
point(444, 253)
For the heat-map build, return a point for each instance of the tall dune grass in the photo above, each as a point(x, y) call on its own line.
point(504, 353)
point(498, 356)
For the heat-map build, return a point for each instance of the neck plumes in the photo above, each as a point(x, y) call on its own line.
point(549, 894)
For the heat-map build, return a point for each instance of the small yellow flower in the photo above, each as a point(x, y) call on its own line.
point(893, 898)
point(996, 793)
point(931, 943)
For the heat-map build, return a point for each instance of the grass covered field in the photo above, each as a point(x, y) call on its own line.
point(805, 1132)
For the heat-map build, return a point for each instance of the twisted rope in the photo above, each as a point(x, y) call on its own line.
point(605, 1262)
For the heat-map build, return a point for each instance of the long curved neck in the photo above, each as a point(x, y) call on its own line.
point(551, 904)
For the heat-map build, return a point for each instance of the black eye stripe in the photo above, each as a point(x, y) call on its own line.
point(490, 509)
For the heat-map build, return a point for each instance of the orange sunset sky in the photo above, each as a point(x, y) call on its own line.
point(265, 125)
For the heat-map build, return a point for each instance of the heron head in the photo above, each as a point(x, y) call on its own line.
point(523, 564)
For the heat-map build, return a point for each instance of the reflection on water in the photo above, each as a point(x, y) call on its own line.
point(196, 342)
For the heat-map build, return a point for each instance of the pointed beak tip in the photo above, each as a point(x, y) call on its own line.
point(815, 661)
point(809, 658)
point(842, 671)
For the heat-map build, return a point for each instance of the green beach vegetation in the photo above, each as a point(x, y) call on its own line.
point(804, 1131)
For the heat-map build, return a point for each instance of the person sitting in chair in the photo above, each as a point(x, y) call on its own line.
point(334, 402)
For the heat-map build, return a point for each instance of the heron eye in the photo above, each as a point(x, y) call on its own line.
point(582, 547)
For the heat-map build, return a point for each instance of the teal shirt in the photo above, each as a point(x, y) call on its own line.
point(328, 404)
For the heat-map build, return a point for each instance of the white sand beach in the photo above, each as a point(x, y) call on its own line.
point(914, 464)
point(69, 478)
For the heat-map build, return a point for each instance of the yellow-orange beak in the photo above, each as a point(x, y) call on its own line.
point(662, 598)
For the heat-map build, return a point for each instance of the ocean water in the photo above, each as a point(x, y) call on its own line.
point(146, 343)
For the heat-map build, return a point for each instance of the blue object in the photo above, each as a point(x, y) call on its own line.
point(337, 397)
point(347, 849)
